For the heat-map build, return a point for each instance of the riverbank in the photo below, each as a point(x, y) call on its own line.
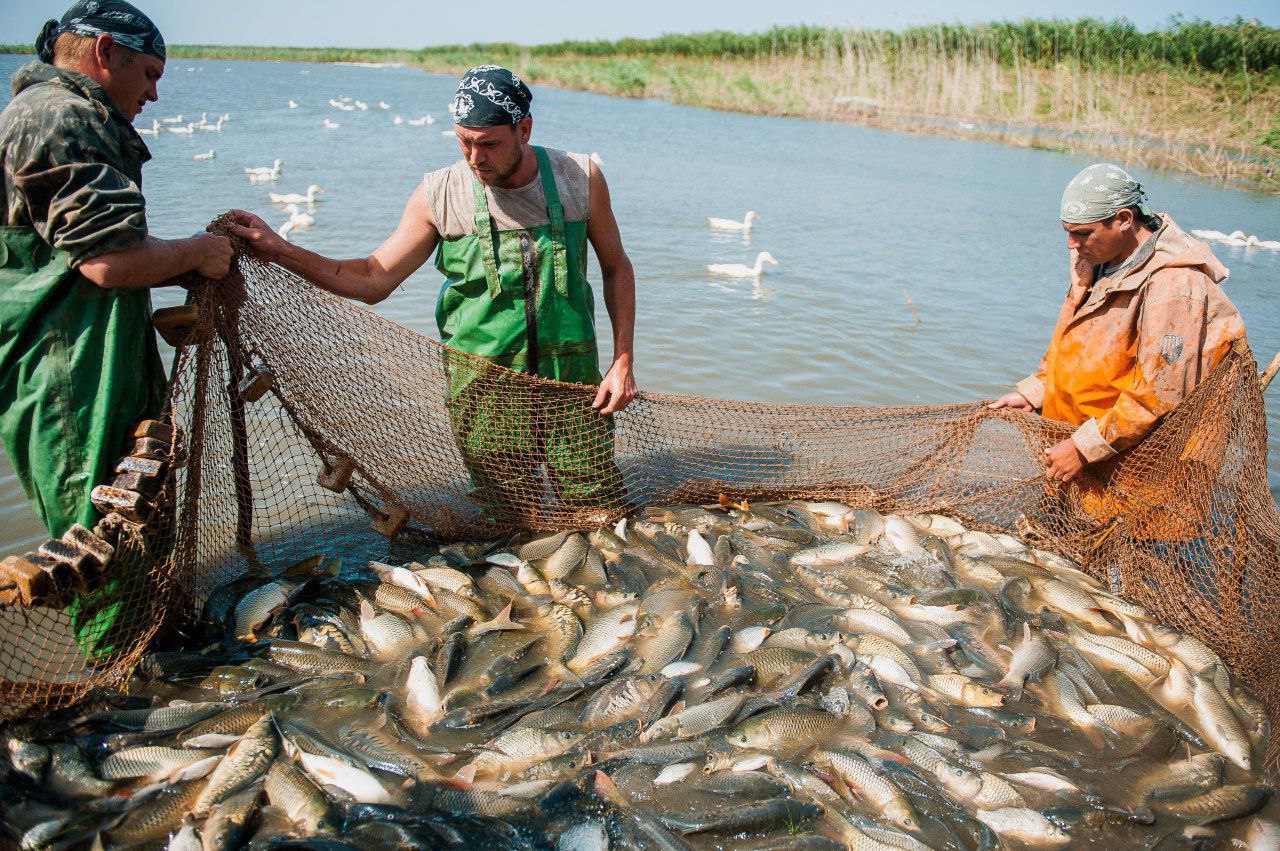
point(1193, 97)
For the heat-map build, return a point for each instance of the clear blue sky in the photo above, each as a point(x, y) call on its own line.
point(415, 23)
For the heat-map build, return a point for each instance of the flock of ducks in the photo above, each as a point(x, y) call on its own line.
point(175, 125)
point(739, 270)
point(1237, 239)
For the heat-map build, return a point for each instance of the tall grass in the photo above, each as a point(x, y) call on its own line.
point(1193, 96)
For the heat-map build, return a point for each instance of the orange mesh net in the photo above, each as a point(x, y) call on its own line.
point(442, 446)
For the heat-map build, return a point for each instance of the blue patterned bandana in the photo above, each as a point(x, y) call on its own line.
point(123, 21)
point(1099, 192)
point(490, 96)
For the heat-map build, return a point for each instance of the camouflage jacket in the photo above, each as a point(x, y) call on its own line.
point(71, 164)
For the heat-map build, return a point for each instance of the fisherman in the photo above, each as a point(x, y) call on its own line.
point(78, 358)
point(1143, 323)
point(509, 224)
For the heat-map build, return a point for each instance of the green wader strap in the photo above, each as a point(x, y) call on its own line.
point(555, 213)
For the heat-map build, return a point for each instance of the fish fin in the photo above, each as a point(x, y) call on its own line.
point(502, 621)
point(676, 708)
point(465, 775)
point(367, 612)
point(608, 790)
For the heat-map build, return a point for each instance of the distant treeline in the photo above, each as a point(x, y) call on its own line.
point(1219, 47)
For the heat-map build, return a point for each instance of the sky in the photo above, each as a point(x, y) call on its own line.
point(417, 23)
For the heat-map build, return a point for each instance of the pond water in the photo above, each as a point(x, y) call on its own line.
point(854, 215)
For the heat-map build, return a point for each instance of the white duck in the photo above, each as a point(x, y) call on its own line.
point(274, 168)
point(1236, 238)
point(207, 155)
point(293, 104)
point(213, 128)
point(397, 120)
point(190, 128)
point(362, 106)
point(226, 116)
point(418, 122)
point(431, 119)
point(1269, 244)
point(448, 133)
point(154, 131)
point(266, 177)
point(295, 198)
point(382, 104)
point(738, 270)
point(331, 125)
point(730, 224)
point(298, 218)
point(177, 119)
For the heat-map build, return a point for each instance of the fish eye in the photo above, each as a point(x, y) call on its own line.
point(959, 772)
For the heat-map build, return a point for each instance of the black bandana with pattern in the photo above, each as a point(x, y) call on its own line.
point(123, 21)
point(490, 96)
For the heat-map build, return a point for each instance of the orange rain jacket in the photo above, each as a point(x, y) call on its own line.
point(1127, 350)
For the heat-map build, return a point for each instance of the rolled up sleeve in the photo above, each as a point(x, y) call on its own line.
point(78, 200)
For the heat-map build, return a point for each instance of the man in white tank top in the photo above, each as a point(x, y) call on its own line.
point(509, 225)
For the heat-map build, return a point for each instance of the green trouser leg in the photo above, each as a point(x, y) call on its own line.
point(78, 367)
point(506, 431)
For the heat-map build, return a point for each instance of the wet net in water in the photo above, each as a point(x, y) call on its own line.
point(442, 446)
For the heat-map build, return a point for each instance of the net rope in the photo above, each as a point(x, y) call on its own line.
point(1184, 524)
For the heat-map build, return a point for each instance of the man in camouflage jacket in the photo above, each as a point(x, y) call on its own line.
point(78, 358)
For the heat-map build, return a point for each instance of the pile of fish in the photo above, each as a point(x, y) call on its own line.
point(788, 675)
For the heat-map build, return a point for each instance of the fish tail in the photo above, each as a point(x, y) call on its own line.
point(502, 621)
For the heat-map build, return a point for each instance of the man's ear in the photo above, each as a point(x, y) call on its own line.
point(104, 50)
point(525, 129)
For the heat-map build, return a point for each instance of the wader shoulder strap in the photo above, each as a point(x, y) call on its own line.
point(555, 213)
point(488, 238)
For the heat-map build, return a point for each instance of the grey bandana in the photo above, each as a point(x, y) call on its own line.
point(123, 21)
point(1101, 191)
point(490, 96)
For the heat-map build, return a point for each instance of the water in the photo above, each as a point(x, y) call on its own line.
point(854, 215)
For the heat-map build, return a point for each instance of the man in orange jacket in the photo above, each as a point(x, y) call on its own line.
point(1144, 321)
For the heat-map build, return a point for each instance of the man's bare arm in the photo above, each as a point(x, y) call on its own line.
point(368, 279)
point(618, 387)
point(154, 261)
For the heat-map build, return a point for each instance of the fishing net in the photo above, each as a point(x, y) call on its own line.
point(441, 446)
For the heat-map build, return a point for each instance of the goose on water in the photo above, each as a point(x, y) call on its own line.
point(298, 217)
point(295, 198)
point(418, 122)
point(177, 119)
point(730, 224)
point(738, 270)
point(382, 104)
point(154, 131)
point(190, 128)
point(362, 106)
point(331, 125)
point(207, 155)
point(397, 120)
point(293, 104)
point(274, 168)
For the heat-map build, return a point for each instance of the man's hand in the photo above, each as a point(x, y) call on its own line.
point(617, 389)
point(1013, 400)
point(1063, 462)
point(260, 235)
point(214, 255)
